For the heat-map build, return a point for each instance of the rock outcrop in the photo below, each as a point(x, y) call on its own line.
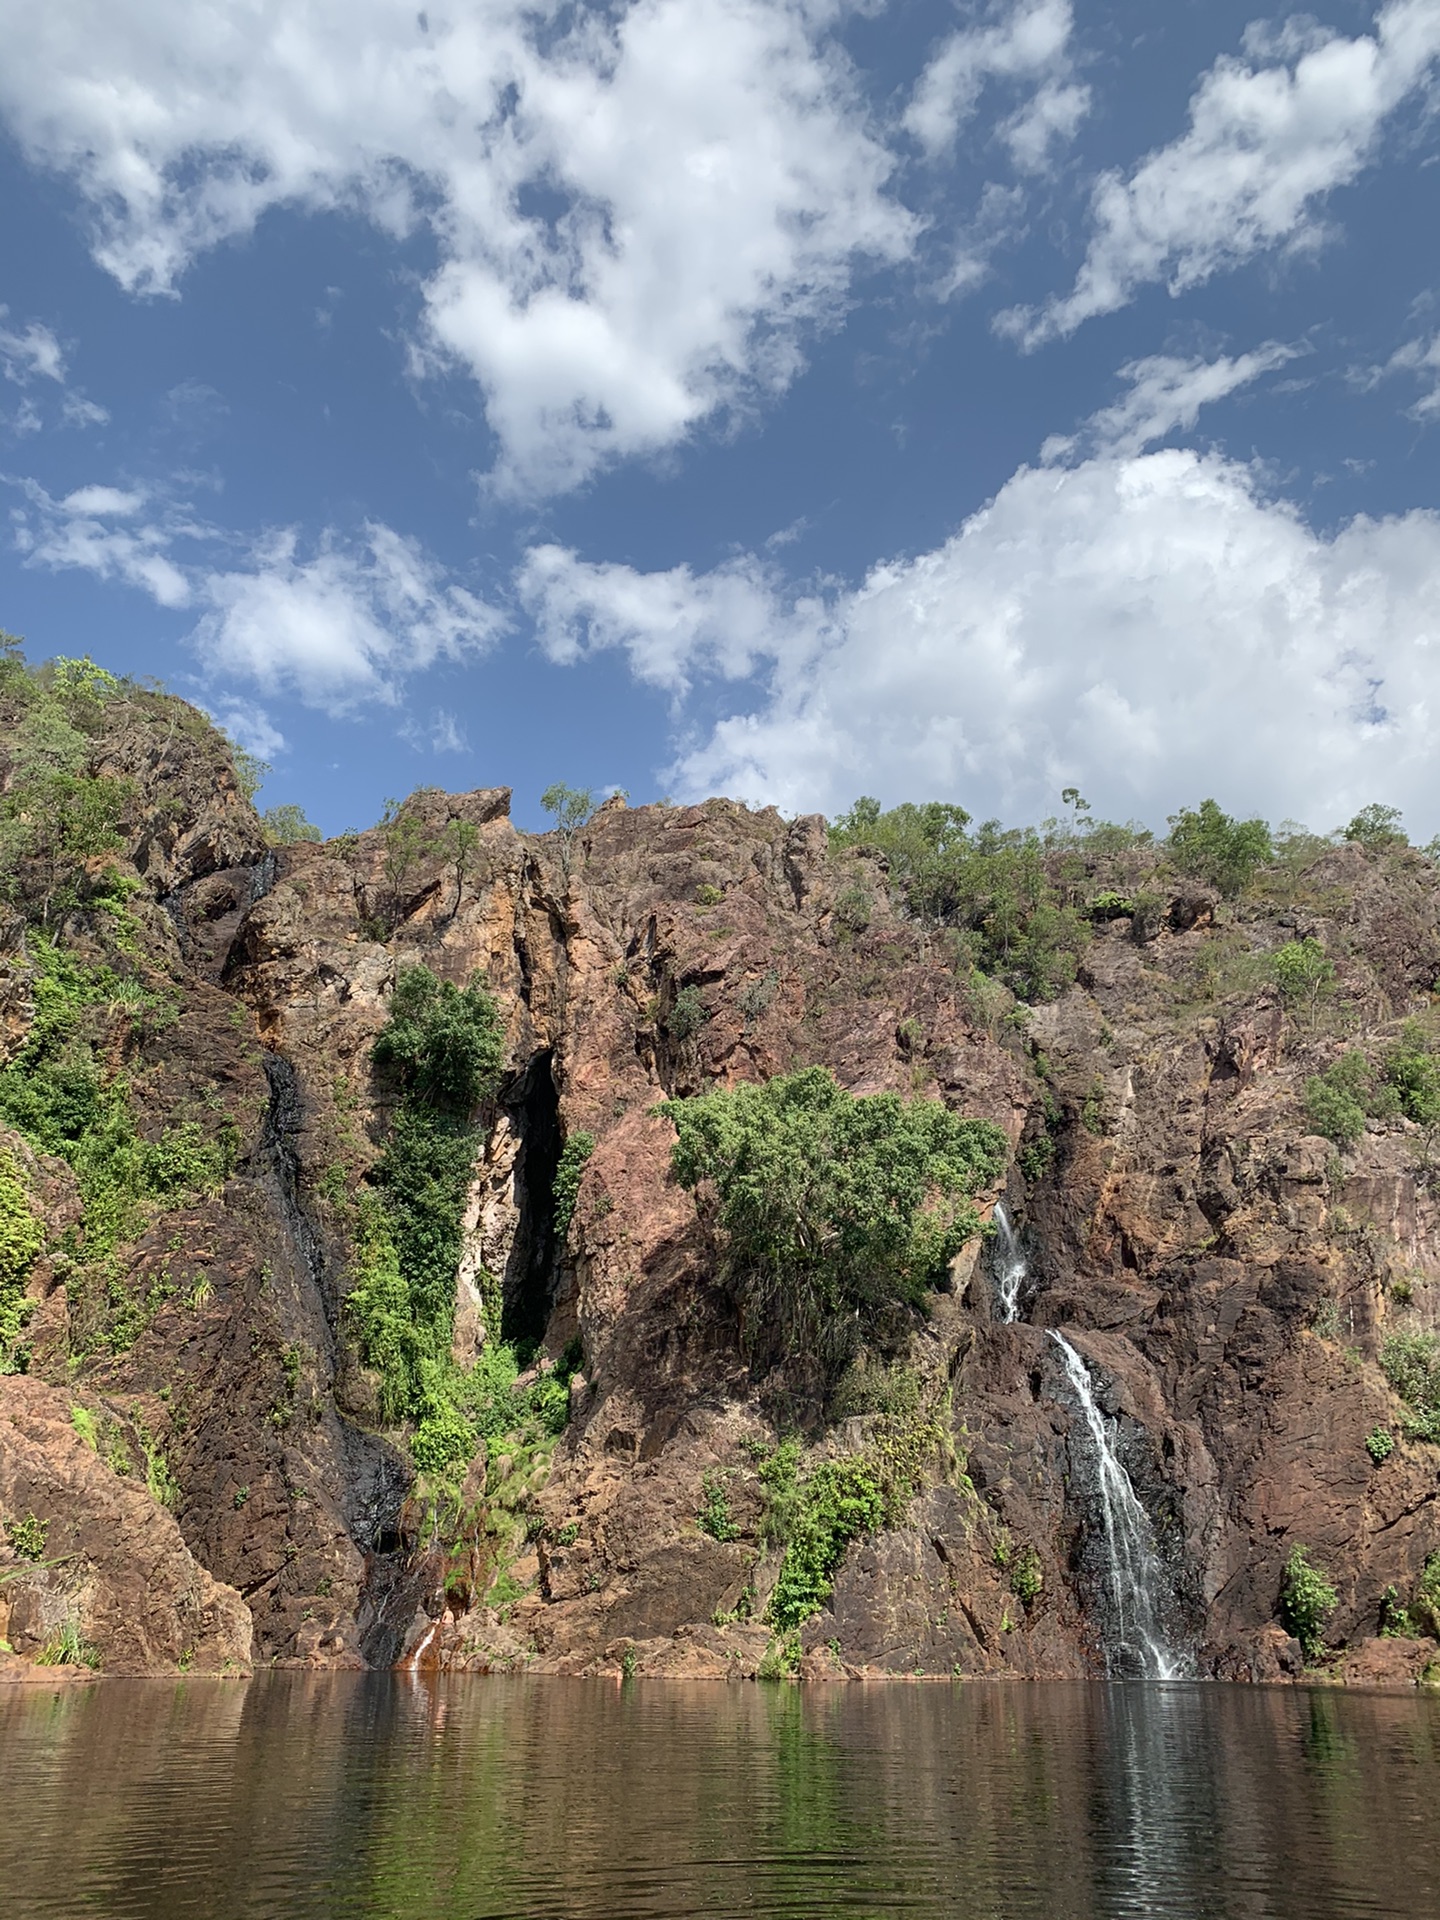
point(1227, 1277)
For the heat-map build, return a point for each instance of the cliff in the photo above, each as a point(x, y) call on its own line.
point(201, 1463)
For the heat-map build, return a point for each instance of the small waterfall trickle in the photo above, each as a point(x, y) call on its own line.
point(1137, 1644)
point(1008, 1265)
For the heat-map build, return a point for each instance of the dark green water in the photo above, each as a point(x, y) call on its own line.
point(456, 1799)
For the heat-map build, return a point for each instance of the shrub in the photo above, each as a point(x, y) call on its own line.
point(1027, 1576)
point(442, 1049)
point(1302, 972)
point(1425, 1607)
point(687, 1016)
point(570, 1171)
point(1411, 1072)
point(287, 826)
point(1307, 1601)
point(840, 1501)
point(708, 895)
point(27, 1536)
point(833, 1208)
point(819, 1516)
point(442, 1045)
point(1336, 1101)
point(714, 1516)
point(1411, 1363)
point(21, 1238)
point(1208, 843)
point(1379, 1444)
point(992, 885)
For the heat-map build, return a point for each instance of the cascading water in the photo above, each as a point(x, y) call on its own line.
point(1137, 1644)
point(1009, 1265)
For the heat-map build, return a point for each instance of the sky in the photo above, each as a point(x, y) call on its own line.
point(779, 398)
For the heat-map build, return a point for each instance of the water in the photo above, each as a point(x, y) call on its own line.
point(386, 1797)
point(1009, 1265)
point(1136, 1642)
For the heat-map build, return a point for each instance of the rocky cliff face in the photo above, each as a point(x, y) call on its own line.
point(194, 1469)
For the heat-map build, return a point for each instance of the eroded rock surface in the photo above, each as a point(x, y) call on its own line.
point(1227, 1278)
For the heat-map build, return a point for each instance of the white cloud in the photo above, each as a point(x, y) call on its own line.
point(670, 625)
point(36, 354)
point(1028, 41)
point(1166, 392)
point(1422, 359)
point(76, 533)
point(250, 727)
point(1267, 142)
point(102, 500)
point(1148, 627)
point(639, 212)
point(343, 624)
point(341, 627)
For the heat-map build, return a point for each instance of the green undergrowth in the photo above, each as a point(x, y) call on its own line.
point(1411, 1363)
point(1419, 1617)
point(64, 1094)
point(440, 1054)
point(1404, 1081)
point(814, 1516)
point(837, 1212)
point(1307, 1600)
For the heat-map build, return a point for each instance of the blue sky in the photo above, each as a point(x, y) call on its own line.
point(769, 397)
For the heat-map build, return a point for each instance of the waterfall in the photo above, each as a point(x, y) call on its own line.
point(1009, 1267)
point(1138, 1587)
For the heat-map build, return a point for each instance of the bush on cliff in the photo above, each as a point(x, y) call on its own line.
point(1411, 1363)
point(1307, 1600)
point(834, 1209)
point(440, 1052)
point(991, 884)
point(1207, 842)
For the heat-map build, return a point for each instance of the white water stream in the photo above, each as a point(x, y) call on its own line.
point(1009, 1265)
point(1138, 1642)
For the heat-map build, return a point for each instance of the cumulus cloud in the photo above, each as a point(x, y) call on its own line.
point(1269, 138)
point(1026, 42)
point(341, 626)
point(670, 625)
point(1149, 627)
point(639, 212)
point(336, 624)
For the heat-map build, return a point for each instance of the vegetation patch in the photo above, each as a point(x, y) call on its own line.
point(570, 1171)
point(835, 1210)
point(1411, 1363)
point(1307, 1600)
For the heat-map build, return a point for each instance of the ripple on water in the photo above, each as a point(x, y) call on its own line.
point(477, 1798)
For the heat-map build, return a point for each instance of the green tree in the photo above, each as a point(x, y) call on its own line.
point(286, 826)
point(407, 842)
point(834, 1209)
point(570, 808)
point(1376, 828)
point(1208, 843)
point(992, 884)
point(1302, 972)
point(459, 843)
point(1337, 1101)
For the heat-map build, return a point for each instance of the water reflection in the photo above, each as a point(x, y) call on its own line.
point(471, 1799)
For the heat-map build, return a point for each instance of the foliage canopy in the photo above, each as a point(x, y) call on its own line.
point(835, 1208)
